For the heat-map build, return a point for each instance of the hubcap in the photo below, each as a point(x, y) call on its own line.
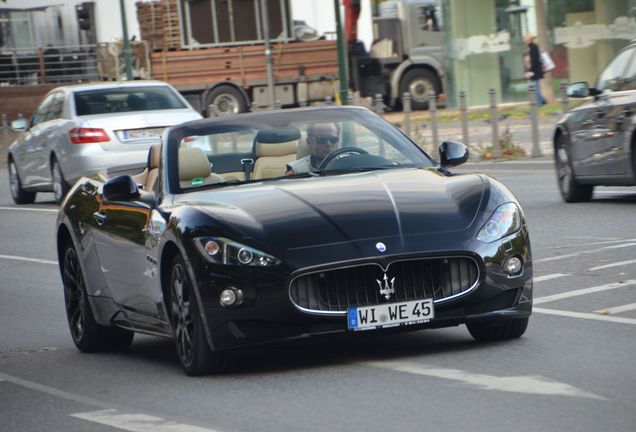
point(563, 169)
point(57, 181)
point(181, 314)
point(226, 104)
point(74, 294)
point(420, 88)
point(13, 179)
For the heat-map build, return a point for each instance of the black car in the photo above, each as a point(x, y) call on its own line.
point(595, 143)
point(218, 244)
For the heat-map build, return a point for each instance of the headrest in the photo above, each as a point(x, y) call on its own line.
point(193, 163)
point(154, 156)
point(277, 149)
point(274, 136)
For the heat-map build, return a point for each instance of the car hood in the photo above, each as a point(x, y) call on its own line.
point(296, 213)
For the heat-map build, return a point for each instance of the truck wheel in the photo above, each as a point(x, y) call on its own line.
point(419, 83)
point(227, 99)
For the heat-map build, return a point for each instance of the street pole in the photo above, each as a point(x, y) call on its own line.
point(127, 51)
point(342, 65)
point(268, 54)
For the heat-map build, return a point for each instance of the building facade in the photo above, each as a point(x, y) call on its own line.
point(483, 42)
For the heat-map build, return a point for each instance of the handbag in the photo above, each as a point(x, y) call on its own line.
point(546, 62)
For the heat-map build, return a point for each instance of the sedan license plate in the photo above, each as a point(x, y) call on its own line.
point(390, 315)
point(142, 134)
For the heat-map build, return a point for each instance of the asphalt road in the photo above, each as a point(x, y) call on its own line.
point(572, 371)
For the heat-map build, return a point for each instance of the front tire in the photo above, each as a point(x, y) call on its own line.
point(419, 83)
point(19, 195)
point(570, 189)
point(87, 335)
point(193, 350)
point(60, 186)
point(227, 99)
point(497, 331)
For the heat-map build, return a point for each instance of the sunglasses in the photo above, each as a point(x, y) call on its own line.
point(326, 139)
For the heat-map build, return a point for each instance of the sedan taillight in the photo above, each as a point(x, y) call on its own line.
point(87, 135)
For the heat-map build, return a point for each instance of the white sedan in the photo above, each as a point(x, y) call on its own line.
point(80, 129)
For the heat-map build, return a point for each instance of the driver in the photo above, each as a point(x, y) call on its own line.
point(322, 139)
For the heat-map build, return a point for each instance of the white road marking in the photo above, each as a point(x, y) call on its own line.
point(575, 254)
point(616, 264)
point(137, 422)
point(516, 384)
point(583, 291)
point(616, 309)
point(550, 277)
point(590, 316)
point(578, 245)
point(142, 422)
point(30, 209)
point(623, 192)
point(35, 260)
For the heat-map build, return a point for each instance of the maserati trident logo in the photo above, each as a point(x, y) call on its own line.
point(387, 288)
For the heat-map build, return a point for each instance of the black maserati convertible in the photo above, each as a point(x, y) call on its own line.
point(273, 226)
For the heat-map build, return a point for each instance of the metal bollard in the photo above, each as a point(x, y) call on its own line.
point(532, 97)
point(350, 98)
point(463, 113)
point(213, 111)
point(406, 109)
point(496, 145)
point(564, 96)
point(255, 107)
point(278, 105)
point(303, 103)
point(378, 104)
point(328, 100)
point(5, 121)
point(432, 109)
point(20, 116)
point(5, 130)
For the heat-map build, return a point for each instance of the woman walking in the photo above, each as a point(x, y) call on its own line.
point(534, 66)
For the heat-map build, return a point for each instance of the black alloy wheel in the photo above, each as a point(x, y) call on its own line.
point(60, 186)
point(570, 189)
point(19, 195)
point(497, 331)
point(87, 335)
point(193, 349)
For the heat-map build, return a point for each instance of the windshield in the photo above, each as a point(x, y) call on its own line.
point(126, 99)
point(299, 143)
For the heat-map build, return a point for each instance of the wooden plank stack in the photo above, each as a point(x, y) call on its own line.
point(159, 24)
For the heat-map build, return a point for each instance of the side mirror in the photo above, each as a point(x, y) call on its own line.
point(452, 153)
point(579, 90)
point(122, 188)
point(19, 125)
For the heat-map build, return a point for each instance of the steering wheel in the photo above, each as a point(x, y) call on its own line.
point(334, 154)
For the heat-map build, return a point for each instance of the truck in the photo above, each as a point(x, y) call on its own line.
point(213, 52)
point(406, 54)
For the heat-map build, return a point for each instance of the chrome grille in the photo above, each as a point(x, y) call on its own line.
point(332, 291)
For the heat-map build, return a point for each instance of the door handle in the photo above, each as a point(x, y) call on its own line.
point(99, 217)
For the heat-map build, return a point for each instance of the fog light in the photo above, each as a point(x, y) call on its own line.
point(513, 265)
point(231, 297)
point(212, 248)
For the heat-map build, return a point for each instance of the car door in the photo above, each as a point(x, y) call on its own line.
point(620, 121)
point(43, 146)
point(32, 142)
point(121, 242)
point(607, 117)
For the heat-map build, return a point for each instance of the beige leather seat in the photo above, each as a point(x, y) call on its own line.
point(273, 151)
point(194, 168)
point(149, 175)
point(303, 148)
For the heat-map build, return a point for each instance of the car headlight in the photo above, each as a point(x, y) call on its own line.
point(505, 220)
point(220, 250)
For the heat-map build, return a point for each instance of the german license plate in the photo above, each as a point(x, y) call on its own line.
point(390, 315)
point(143, 134)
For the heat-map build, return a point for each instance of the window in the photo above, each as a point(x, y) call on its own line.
point(56, 108)
point(629, 79)
point(42, 111)
point(126, 99)
point(610, 78)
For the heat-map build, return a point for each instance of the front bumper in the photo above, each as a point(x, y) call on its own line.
point(268, 314)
